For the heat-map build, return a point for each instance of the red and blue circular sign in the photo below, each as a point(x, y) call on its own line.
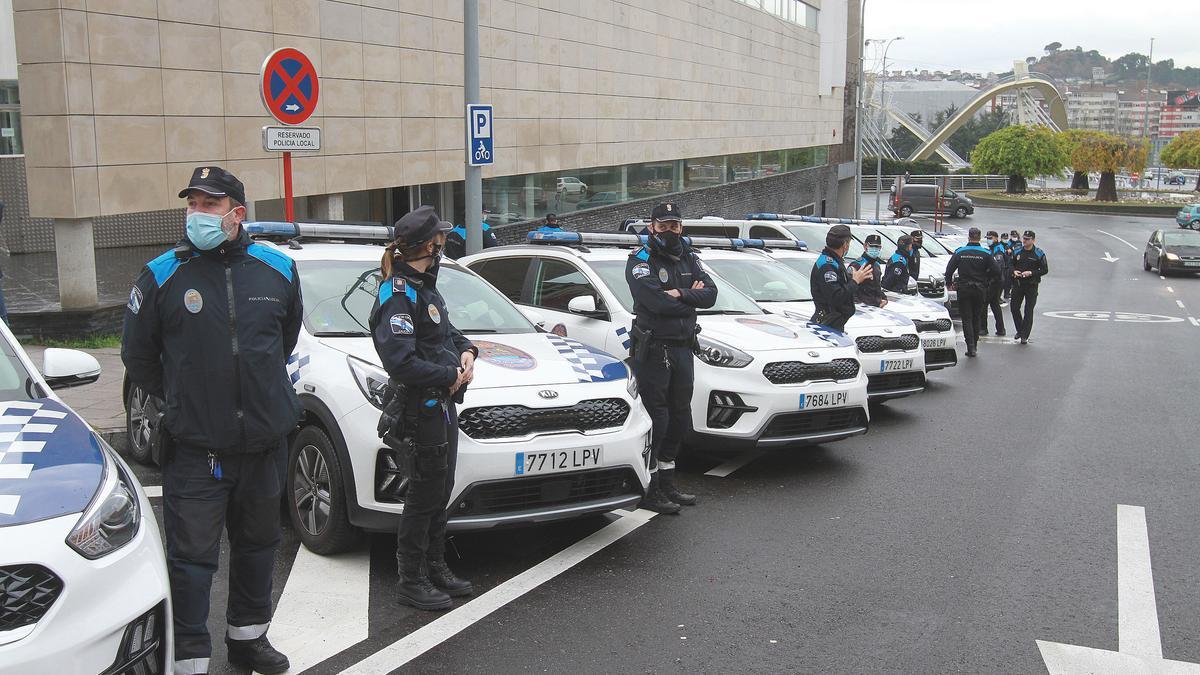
point(289, 86)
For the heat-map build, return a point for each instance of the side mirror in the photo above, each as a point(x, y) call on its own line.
point(535, 317)
point(64, 368)
point(582, 304)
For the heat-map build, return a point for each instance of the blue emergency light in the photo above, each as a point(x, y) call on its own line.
point(337, 231)
point(816, 219)
point(629, 239)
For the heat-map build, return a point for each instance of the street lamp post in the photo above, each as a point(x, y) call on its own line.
point(858, 103)
point(883, 109)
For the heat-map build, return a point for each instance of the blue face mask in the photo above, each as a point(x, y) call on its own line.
point(991, 242)
point(205, 230)
point(873, 252)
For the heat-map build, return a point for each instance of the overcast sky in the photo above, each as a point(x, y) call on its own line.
point(986, 35)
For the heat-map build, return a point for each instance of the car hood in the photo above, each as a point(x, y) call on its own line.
point(916, 309)
point(1184, 250)
point(51, 463)
point(518, 359)
point(765, 333)
point(866, 320)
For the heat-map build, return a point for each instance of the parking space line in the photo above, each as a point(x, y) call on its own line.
point(723, 470)
point(448, 625)
point(1137, 612)
point(1119, 239)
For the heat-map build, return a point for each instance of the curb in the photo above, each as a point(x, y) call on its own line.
point(1084, 208)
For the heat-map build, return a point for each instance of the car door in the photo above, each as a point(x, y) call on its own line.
point(555, 283)
point(1153, 248)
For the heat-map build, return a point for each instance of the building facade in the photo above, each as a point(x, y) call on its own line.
point(598, 105)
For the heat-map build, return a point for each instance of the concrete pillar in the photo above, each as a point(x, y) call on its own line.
point(328, 207)
point(530, 197)
point(679, 168)
point(624, 194)
point(845, 198)
point(75, 250)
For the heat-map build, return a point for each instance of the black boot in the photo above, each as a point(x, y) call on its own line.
point(655, 500)
point(444, 578)
point(416, 590)
point(666, 483)
point(258, 655)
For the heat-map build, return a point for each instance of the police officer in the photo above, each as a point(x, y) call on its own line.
point(456, 241)
point(914, 254)
point(1028, 267)
point(833, 286)
point(429, 363)
point(994, 289)
point(895, 277)
point(668, 286)
point(209, 328)
point(976, 269)
point(870, 292)
point(1006, 281)
point(551, 225)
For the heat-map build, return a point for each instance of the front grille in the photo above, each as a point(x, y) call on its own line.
point(508, 421)
point(791, 372)
point(26, 594)
point(538, 492)
point(937, 326)
point(940, 357)
point(141, 651)
point(893, 381)
point(932, 289)
point(878, 343)
point(794, 424)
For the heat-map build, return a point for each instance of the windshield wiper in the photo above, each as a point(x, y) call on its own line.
point(787, 300)
point(707, 312)
point(478, 330)
point(341, 333)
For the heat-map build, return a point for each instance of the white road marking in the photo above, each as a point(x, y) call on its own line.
point(323, 609)
point(153, 490)
point(448, 625)
point(1180, 303)
point(1137, 613)
point(1194, 321)
point(1109, 257)
point(723, 470)
point(1119, 239)
point(1170, 290)
point(1162, 277)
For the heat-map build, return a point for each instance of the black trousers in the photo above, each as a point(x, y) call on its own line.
point(971, 305)
point(991, 299)
point(422, 530)
point(1023, 294)
point(196, 507)
point(665, 376)
point(1007, 279)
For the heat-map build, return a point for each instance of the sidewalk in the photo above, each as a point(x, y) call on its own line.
point(98, 403)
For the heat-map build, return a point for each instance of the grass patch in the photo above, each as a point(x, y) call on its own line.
point(90, 342)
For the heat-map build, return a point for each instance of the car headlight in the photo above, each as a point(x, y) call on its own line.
point(111, 520)
point(631, 384)
point(1172, 256)
point(371, 380)
point(720, 354)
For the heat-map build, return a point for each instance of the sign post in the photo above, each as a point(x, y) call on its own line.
point(289, 88)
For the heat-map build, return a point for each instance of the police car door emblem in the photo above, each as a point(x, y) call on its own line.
point(663, 276)
point(135, 300)
point(435, 314)
point(193, 301)
point(401, 324)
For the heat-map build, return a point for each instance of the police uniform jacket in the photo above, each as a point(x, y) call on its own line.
point(975, 266)
point(1000, 255)
point(895, 277)
point(650, 272)
point(869, 292)
point(456, 241)
point(210, 332)
point(1032, 260)
point(914, 262)
point(832, 288)
point(412, 332)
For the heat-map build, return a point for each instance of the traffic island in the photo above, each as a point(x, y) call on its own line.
point(1073, 201)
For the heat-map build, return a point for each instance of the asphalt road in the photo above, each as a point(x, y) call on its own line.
point(972, 521)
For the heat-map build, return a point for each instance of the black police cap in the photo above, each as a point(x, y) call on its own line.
point(1030, 234)
point(873, 240)
point(217, 182)
point(419, 225)
point(666, 211)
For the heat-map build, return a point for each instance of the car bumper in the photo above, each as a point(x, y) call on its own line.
point(883, 385)
point(939, 350)
point(90, 627)
point(1181, 266)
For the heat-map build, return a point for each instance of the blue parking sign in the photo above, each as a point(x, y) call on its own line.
point(479, 134)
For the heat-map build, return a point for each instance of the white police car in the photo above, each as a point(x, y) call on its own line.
point(760, 380)
point(83, 579)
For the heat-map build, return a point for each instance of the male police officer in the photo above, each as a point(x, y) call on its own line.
point(994, 289)
point(833, 286)
point(895, 277)
point(552, 224)
point(209, 328)
point(914, 254)
point(456, 241)
point(1028, 267)
point(870, 292)
point(668, 286)
point(1006, 281)
point(976, 269)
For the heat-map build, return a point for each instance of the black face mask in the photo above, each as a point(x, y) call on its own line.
point(669, 243)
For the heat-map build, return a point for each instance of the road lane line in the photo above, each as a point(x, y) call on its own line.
point(1194, 321)
point(324, 606)
point(1180, 303)
point(153, 490)
point(1170, 290)
point(1137, 613)
point(448, 625)
point(1119, 239)
point(734, 464)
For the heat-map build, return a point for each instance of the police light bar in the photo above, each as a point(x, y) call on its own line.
point(789, 244)
point(341, 231)
point(817, 219)
point(623, 239)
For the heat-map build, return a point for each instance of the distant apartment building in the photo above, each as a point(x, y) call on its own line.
point(1093, 107)
point(1180, 113)
point(1138, 114)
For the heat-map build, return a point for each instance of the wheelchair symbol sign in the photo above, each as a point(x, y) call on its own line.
point(479, 135)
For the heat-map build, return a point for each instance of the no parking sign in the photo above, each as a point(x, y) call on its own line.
point(289, 86)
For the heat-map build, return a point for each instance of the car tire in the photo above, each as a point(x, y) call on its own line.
point(316, 498)
point(960, 212)
point(142, 425)
point(905, 211)
point(1145, 263)
point(1195, 224)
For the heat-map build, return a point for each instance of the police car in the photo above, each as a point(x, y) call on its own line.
point(760, 380)
point(549, 429)
point(83, 580)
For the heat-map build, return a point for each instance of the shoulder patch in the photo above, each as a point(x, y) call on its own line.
point(641, 271)
point(135, 300)
point(831, 276)
point(402, 324)
point(164, 266)
point(274, 259)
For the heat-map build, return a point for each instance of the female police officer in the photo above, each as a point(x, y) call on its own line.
point(429, 364)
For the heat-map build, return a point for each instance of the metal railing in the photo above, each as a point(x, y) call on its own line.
point(954, 182)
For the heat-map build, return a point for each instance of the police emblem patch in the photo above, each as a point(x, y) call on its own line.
point(135, 300)
point(193, 301)
point(434, 313)
point(641, 271)
point(663, 276)
point(831, 276)
point(204, 172)
point(397, 284)
point(401, 324)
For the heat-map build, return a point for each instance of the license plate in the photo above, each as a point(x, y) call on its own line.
point(895, 365)
point(1192, 263)
point(933, 343)
point(551, 461)
point(829, 399)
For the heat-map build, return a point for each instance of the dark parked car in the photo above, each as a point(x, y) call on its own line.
point(1172, 251)
point(598, 199)
point(923, 199)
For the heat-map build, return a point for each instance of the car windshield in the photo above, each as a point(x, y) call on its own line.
point(1191, 238)
point(612, 273)
point(762, 279)
point(339, 294)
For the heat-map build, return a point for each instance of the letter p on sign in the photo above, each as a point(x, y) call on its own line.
point(479, 134)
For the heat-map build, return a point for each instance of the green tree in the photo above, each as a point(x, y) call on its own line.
point(1183, 152)
point(1079, 161)
point(1052, 47)
point(1109, 154)
point(1021, 153)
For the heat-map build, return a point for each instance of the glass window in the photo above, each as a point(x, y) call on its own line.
point(1181, 238)
point(506, 274)
point(766, 232)
point(743, 167)
point(729, 301)
point(649, 180)
point(713, 230)
point(558, 283)
point(703, 172)
point(10, 119)
point(771, 163)
point(763, 280)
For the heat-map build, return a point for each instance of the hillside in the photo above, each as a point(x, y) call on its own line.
point(1129, 69)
